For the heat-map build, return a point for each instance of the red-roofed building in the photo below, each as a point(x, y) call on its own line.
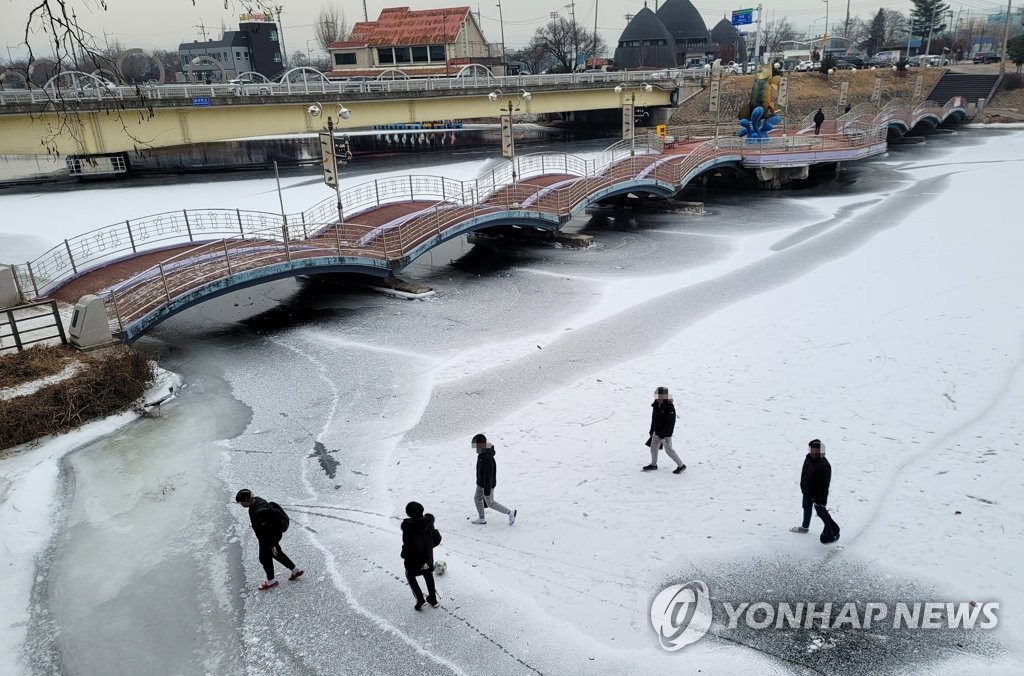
point(420, 43)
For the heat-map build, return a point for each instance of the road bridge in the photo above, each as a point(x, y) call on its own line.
point(102, 120)
point(152, 268)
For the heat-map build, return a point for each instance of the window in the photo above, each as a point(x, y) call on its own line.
point(344, 58)
point(385, 55)
point(277, 57)
point(419, 54)
point(402, 55)
point(437, 53)
point(273, 36)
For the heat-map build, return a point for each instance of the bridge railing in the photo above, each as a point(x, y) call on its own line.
point(82, 252)
point(340, 86)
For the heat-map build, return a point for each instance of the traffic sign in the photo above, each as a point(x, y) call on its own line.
point(507, 142)
point(341, 150)
point(200, 100)
point(742, 17)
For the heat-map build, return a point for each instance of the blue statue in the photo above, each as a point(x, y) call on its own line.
point(757, 127)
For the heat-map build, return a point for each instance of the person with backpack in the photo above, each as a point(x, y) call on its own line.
point(269, 522)
point(663, 424)
point(419, 537)
point(486, 480)
point(815, 480)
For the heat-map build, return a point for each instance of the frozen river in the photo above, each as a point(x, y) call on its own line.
point(880, 312)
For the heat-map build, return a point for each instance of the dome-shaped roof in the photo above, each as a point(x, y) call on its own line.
point(683, 20)
point(724, 34)
point(646, 26)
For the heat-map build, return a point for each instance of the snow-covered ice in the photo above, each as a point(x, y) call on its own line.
point(883, 316)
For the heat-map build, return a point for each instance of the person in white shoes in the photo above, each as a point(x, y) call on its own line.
point(486, 480)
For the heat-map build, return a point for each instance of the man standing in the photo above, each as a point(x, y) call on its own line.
point(819, 119)
point(269, 523)
point(486, 480)
point(815, 478)
point(419, 537)
point(663, 423)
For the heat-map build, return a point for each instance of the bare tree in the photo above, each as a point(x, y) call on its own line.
point(896, 25)
point(561, 40)
point(330, 26)
point(777, 31)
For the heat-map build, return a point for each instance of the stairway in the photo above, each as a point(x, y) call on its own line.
point(970, 86)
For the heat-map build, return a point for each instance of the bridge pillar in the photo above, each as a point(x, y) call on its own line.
point(90, 327)
point(776, 177)
point(9, 294)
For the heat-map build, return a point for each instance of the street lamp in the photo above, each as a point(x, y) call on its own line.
point(513, 104)
point(824, 40)
point(628, 119)
point(316, 110)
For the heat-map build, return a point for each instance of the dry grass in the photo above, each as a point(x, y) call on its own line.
point(34, 363)
point(110, 383)
point(808, 92)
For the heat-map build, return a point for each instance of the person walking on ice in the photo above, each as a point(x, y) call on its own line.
point(815, 478)
point(663, 423)
point(419, 537)
point(486, 480)
point(269, 522)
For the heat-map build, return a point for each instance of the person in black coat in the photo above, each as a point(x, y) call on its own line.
point(663, 424)
point(419, 537)
point(819, 119)
point(486, 480)
point(267, 526)
point(815, 478)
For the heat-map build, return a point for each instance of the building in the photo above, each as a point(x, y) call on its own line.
point(255, 46)
point(419, 43)
point(727, 43)
point(673, 36)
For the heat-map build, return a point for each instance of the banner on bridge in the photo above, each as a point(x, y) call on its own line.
point(508, 147)
point(627, 121)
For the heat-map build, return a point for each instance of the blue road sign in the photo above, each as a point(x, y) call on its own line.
point(742, 17)
point(200, 100)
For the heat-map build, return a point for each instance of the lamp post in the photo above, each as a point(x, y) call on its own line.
point(316, 110)
point(628, 119)
point(508, 135)
point(824, 39)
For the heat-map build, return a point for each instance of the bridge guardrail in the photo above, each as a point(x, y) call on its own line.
point(339, 86)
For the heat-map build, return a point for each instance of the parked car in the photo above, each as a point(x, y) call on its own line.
point(803, 66)
point(986, 57)
point(854, 60)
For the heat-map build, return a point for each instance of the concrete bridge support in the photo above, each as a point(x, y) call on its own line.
point(9, 293)
point(776, 177)
point(90, 327)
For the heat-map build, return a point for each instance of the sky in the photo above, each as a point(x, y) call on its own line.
point(165, 24)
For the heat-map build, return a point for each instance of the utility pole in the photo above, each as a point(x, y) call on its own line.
point(280, 36)
point(1006, 35)
point(931, 26)
point(595, 34)
point(201, 27)
point(757, 38)
point(366, 15)
point(575, 36)
point(846, 25)
point(824, 37)
point(501, 20)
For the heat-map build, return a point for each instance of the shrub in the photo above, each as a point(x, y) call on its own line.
point(1011, 81)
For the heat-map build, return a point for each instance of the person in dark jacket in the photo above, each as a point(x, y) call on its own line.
point(486, 480)
point(267, 525)
point(815, 478)
point(663, 423)
point(418, 540)
point(819, 119)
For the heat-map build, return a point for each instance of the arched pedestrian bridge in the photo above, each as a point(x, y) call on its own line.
point(151, 268)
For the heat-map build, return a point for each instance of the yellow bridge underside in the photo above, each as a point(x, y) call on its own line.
point(94, 133)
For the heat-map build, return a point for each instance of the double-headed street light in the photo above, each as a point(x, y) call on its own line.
point(343, 113)
point(628, 117)
point(513, 104)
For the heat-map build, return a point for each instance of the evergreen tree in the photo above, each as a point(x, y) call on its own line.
point(876, 34)
point(928, 16)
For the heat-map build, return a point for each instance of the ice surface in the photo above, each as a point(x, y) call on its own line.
point(881, 314)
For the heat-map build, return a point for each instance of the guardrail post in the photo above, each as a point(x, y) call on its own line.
point(337, 237)
point(411, 195)
point(131, 238)
point(241, 228)
point(542, 165)
point(188, 226)
point(117, 312)
point(32, 277)
point(58, 322)
point(443, 197)
point(70, 257)
point(14, 329)
point(163, 280)
point(227, 258)
point(302, 217)
point(376, 190)
point(287, 248)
